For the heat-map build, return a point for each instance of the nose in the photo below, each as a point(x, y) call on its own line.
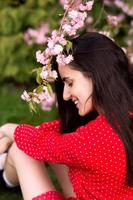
point(66, 94)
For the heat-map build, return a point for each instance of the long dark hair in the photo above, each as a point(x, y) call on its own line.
point(99, 57)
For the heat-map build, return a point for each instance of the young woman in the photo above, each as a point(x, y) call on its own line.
point(92, 143)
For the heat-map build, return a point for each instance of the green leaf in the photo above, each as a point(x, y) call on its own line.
point(32, 107)
point(97, 11)
point(38, 78)
point(36, 70)
point(49, 89)
point(68, 46)
point(39, 89)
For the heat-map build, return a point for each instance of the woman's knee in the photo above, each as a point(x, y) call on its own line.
point(16, 156)
point(13, 151)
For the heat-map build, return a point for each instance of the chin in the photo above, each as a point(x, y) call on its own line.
point(83, 113)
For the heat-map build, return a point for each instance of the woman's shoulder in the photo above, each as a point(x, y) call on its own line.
point(100, 132)
point(99, 121)
point(98, 126)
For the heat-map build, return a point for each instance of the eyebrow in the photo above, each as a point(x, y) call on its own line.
point(65, 79)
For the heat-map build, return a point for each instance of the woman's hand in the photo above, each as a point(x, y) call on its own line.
point(8, 130)
point(6, 136)
point(5, 144)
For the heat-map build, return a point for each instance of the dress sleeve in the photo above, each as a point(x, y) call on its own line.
point(46, 143)
point(26, 136)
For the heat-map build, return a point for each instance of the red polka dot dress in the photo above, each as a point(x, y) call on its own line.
point(94, 154)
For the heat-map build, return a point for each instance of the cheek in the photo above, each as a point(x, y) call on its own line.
point(89, 106)
point(87, 96)
point(88, 87)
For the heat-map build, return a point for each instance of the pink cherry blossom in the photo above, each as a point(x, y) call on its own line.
point(62, 40)
point(68, 59)
point(44, 74)
point(35, 99)
point(87, 6)
point(39, 56)
point(43, 96)
point(54, 34)
point(67, 28)
point(47, 52)
point(66, 3)
point(25, 96)
point(75, 21)
point(53, 74)
point(42, 58)
point(130, 12)
point(119, 3)
point(38, 35)
point(108, 2)
point(43, 30)
point(79, 16)
point(113, 20)
point(48, 74)
point(51, 43)
point(46, 105)
point(124, 7)
point(60, 59)
point(63, 60)
point(57, 49)
point(73, 14)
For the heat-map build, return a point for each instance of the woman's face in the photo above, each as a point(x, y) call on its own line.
point(77, 88)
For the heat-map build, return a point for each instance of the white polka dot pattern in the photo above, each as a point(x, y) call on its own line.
point(94, 154)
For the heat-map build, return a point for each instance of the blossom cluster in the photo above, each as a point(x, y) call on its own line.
point(124, 7)
point(70, 24)
point(44, 97)
point(76, 16)
point(37, 36)
point(119, 19)
point(73, 19)
point(116, 21)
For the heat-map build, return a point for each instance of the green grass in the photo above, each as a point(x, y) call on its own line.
point(9, 194)
point(13, 109)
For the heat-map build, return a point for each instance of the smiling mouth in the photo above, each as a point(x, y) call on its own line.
point(76, 102)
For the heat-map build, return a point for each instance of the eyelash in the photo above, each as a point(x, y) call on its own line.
point(69, 84)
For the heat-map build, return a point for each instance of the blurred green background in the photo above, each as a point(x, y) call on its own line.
point(24, 28)
point(17, 59)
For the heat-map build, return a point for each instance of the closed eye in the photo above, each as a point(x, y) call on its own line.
point(68, 81)
point(69, 84)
